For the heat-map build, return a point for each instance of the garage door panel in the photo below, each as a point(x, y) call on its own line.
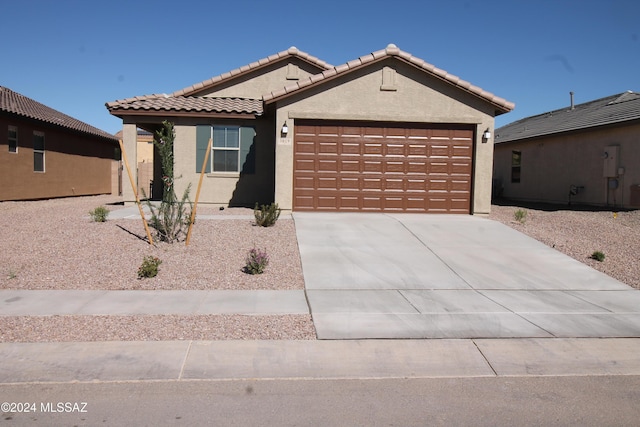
point(351, 148)
point(325, 165)
point(348, 183)
point(417, 167)
point(345, 167)
point(304, 182)
point(416, 185)
point(372, 148)
point(308, 147)
point(350, 166)
point(395, 149)
point(374, 166)
point(391, 167)
point(328, 148)
point(302, 165)
point(417, 150)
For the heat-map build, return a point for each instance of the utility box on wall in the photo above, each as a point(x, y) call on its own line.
point(610, 155)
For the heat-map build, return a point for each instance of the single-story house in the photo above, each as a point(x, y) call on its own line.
point(47, 154)
point(584, 154)
point(383, 132)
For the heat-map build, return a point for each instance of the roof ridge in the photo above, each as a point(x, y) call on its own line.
point(292, 51)
point(391, 51)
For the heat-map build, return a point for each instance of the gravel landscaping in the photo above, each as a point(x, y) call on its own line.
point(53, 244)
point(580, 232)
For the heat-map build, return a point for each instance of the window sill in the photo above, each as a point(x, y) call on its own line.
point(224, 175)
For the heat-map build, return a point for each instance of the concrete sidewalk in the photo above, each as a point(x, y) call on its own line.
point(230, 360)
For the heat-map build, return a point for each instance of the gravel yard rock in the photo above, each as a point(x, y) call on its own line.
point(155, 328)
point(53, 244)
point(580, 232)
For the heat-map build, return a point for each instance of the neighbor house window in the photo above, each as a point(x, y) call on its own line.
point(230, 151)
point(516, 162)
point(13, 139)
point(38, 151)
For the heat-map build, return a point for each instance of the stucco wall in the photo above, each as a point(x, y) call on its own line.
point(225, 188)
point(75, 164)
point(257, 83)
point(551, 165)
point(417, 98)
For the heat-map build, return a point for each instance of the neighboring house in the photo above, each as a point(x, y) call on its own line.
point(45, 153)
point(584, 154)
point(145, 165)
point(384, 132)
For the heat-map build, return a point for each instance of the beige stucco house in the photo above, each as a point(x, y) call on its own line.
point(587, 153)
point(384, 132)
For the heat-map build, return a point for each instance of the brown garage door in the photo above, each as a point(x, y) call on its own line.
point(383, 167)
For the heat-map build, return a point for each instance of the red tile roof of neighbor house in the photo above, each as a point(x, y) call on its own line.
point(187, 101)
point(20, 105)
point(391, 51)
point(620, 108)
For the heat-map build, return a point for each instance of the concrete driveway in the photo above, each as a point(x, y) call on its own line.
point(451, 276)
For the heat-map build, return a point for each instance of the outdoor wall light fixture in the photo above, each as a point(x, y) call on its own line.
point(285, 129)
point(487, 134)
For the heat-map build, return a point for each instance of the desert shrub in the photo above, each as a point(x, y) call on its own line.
point(171, 220)
point(149, 267)
point(257, 260)
point(99, 214)
point(520, 215)
point(598, 256)
point(266, 216)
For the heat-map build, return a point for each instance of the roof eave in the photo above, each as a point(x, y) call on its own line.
point(121, 113)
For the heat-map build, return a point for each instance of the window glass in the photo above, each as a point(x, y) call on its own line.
point(516, 162)
point(225, 161)
point(38, 151)
point(13, 139)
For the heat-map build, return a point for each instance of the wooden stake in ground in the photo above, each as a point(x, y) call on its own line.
point(195, 204)
point(135, 192)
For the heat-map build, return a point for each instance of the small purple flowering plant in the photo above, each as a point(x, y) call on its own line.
point(257, 260)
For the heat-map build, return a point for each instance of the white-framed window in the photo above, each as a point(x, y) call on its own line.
point(230, 151)
point(38, 151)
point(12, 139)
point(225, 154)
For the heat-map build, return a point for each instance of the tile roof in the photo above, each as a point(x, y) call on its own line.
point(15, 103)
point(170, 103)
point(291, 52)
point(391, 50)
point(618, 108)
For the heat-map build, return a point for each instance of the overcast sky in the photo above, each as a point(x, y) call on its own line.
point(75, 56)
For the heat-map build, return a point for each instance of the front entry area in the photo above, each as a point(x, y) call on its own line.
point(382, 167)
